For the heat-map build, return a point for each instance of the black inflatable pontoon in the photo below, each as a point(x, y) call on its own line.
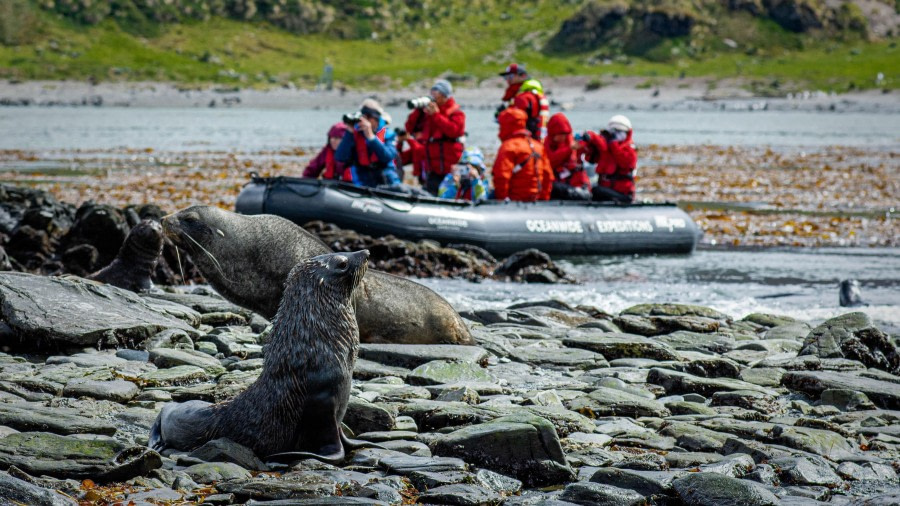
point(502, 228)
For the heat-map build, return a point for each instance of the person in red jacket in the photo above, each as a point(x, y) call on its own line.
point(439, 127)
point(521, 171)
point(616, 159)
point(324, 165)
point(527, 94)
point(572, 182)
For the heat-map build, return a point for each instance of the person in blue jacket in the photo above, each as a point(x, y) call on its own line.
point(366, 150)
point(466, 181)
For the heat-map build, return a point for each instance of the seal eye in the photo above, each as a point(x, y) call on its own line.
point(342, 264)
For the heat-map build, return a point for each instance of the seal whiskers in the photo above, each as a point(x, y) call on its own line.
point(294, 409)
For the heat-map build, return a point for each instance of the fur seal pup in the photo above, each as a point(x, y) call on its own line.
point(134, 265)
point(247, 258)
point(294, 410)
point(850, 294)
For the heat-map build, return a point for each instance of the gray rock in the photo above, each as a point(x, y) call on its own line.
point(888, 499)
point(692, 437)
point(821, 442)
point(682, 460)
point(735, 466)
point(414, 355)
point(768, 320)
point(803, 471)
point(210, 472)
point(133, 355)
point(77, 311)
point(175, 376)
point(363, 416)
point(226, 450)
point(689, 408)
point(14, 491)
point(367, 369)
point(846, 400)
point(460, 494)
point(882, 393)
point(762, 376)
point(668, 309)
point(868, 471)
point(596, 494)
point(697, 341)
point(853, 336)
point(314, 488)
point(796, 331)
point(617, 345)
point(659, 325)
point(200, 303)
point(645, 483)
point(414, 448)
point(459, 394)
point(116, 390)
point(170, 338)
point(100, 458)
point(710, 489)
point(547, 355)
point(765, 474)
point(88, 360)
point(31, 417)
point(439, 372)
point(497, 482)
point(425, 480)
point(612, 402)
point(165, 358)
point(748, 399)
point(524, 446)
point(680, 383)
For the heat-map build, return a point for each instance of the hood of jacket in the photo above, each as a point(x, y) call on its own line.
point(512, 121)
point(558, 124)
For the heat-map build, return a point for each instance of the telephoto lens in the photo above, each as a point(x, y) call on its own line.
point(352, 118)
point(418, 103)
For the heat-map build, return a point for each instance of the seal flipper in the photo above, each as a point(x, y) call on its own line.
point(155, 441)
point(354, 444)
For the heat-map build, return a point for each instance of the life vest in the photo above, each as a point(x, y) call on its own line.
point(537, 120)
point(530, 162)
point(363, 157)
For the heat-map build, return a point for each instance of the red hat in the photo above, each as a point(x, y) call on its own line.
point(514, 68)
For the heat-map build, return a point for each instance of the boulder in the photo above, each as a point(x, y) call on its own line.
point(596, 494)
point(711, 489)
point(885, 394)
point(524, 446)
point(595, 24)
point(853, 336)
point(614, 345)
point(613, 402)
point(76, 311)
point(18, 491)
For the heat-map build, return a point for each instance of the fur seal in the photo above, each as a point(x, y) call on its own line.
point(134, 265)
point(850, 295)
point(247, 258)
point(294, 410)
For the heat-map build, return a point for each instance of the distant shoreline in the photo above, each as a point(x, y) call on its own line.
point(632, 93)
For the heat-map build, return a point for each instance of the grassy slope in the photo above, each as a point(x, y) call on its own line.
point(472, 42)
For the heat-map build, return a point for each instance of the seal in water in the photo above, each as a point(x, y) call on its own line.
point(851, 295)
point(134, 265)
point(294, 410)
point(247, 258)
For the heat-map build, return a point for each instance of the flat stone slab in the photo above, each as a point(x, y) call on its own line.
point(170, 357)
point(77, 311)
point(115, 390)
point(439, 372)
point(883, 393)
point(618, 345)
point(414, 355)
point(100, 458)
point(18, 491)
point(36, 417)
point(711, 489)
point(612, 402)
point(682, 383)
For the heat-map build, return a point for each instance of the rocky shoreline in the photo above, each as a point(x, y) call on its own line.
point(658, 404)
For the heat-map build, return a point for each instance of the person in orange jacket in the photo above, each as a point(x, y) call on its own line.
point(616, 158)
point(521, 171)
point(572, 182)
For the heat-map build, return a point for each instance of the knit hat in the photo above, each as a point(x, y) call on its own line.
point(514, 69)
point(473, 156)
point(443, 86)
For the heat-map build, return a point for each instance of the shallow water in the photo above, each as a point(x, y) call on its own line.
point(798, 283)
point(245, 129)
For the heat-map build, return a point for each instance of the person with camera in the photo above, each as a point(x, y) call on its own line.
point(571, 180)
point(616, 158)
point(467, 181)
point(438, 125)
point(365, 149)
point(324, 164)
point(527, 94)
point(521, 171)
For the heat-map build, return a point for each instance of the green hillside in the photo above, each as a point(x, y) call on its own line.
point(775, 45)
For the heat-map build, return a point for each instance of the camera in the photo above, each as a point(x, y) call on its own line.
point(419, 103)
point(352, 118)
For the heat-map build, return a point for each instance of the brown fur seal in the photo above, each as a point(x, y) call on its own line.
point(247, 258)
point(134, 265)
point(294, 410)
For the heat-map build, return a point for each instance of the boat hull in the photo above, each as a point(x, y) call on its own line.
point(502, 228)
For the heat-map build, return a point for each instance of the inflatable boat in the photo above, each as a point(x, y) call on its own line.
point(502, 228)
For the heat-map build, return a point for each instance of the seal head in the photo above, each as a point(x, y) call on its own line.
point(133, 267)
point(297, 404)
point(850, 294)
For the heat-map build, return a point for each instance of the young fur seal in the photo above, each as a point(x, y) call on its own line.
point(296, 406)
point(247, 258)
point(133, 266)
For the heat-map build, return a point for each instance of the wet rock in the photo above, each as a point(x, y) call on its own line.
point(618, 345)
point(549, 354)
point(414, 355)
point(530, 265)
point(363, 416)
point(167, 358)
point(591, 494)
point(460, 494)
point(81, 260)
point(41, 309)
point(695, 341)
point(99, 458)
point(709, 367)
point(683, 460)
point(846, 400)
point(101, 226)
point(175, 376)
point(29, 417)
point(302, 486)
point(659, 325)
point(17, 491)
point(497, 482)
point(611, 402)
point(803, 471)
point(867, 471)
point(883, 393)
point(115, 390)
point(853, 336)
point(646, 483)
point(821, 442)
point(459, 394)
point(710, 489)
point(440, 371)
point(226, 450)
point(679, 383)
point(735, 466)
point(208, 303)
point(216, 471)
point(526, 447)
